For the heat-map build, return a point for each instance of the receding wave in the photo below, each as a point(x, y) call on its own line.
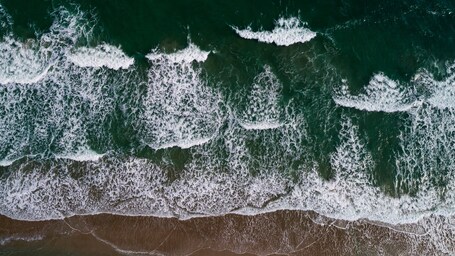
point(427, 141)
point(29, 61)
point(287, 31)
point(14, 238)
point(133, 186)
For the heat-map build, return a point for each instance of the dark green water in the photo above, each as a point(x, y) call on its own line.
point(355, 121)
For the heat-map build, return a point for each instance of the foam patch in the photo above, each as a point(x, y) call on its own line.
point(103, 55)
point(382, 94)
point(286, 32)
point(181, 109)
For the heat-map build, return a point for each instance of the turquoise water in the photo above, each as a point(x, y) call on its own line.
point(188, 108)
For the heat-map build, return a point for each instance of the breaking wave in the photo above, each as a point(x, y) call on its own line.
point(101, 56)
point(23, 63)
point(382, 94)
point(286, 32)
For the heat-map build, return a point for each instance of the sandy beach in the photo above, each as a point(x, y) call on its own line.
point(276, 233)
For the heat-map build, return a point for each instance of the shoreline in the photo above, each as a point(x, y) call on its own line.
point(245, 212)
point(282, 232)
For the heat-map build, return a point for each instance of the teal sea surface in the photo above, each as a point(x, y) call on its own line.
point(193, 108)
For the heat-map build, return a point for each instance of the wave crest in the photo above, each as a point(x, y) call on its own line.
point(103, 55)
point(187, 55)
point(382, 94)
point(286, 32)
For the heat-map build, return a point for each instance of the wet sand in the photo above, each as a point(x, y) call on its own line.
point(275, 233)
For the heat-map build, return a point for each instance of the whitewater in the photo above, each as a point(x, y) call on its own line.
point(245, 153)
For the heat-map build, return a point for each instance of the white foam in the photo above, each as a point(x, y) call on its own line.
point(180, 108)
point(260, 125)
point(442, 92)
point(103, 55)
point(426, 142)
point(82, 155)
point(385, 95)
point(29, 61)
point(61, 104)
point(188, 55)
point(427, 151)
point(6, 21)
point(382, 94)
point(286, 32)
point(262, 109)
point(351, 159)
point(23, 63)
point(138, 187)
point(6, 162)
point(13, 238)
point(351, 194)
point(90, 187)
point(9, 161)
point(185, 143)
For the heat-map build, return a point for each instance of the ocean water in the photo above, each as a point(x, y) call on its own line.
point(194, 108)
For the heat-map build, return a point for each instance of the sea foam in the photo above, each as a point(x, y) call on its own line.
point(29, 61)
point(82, 155)
point(442, 92)
point(13, 238)
point(382, 94)
point(262, 109)
point(103, 55)
point(133, 186)
point(187, 55)
point(286, 32)
point(23, 62)
point(180, 108)
point(6, 20)
point(225, 173)
point(426, 144)
point(43, 93)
